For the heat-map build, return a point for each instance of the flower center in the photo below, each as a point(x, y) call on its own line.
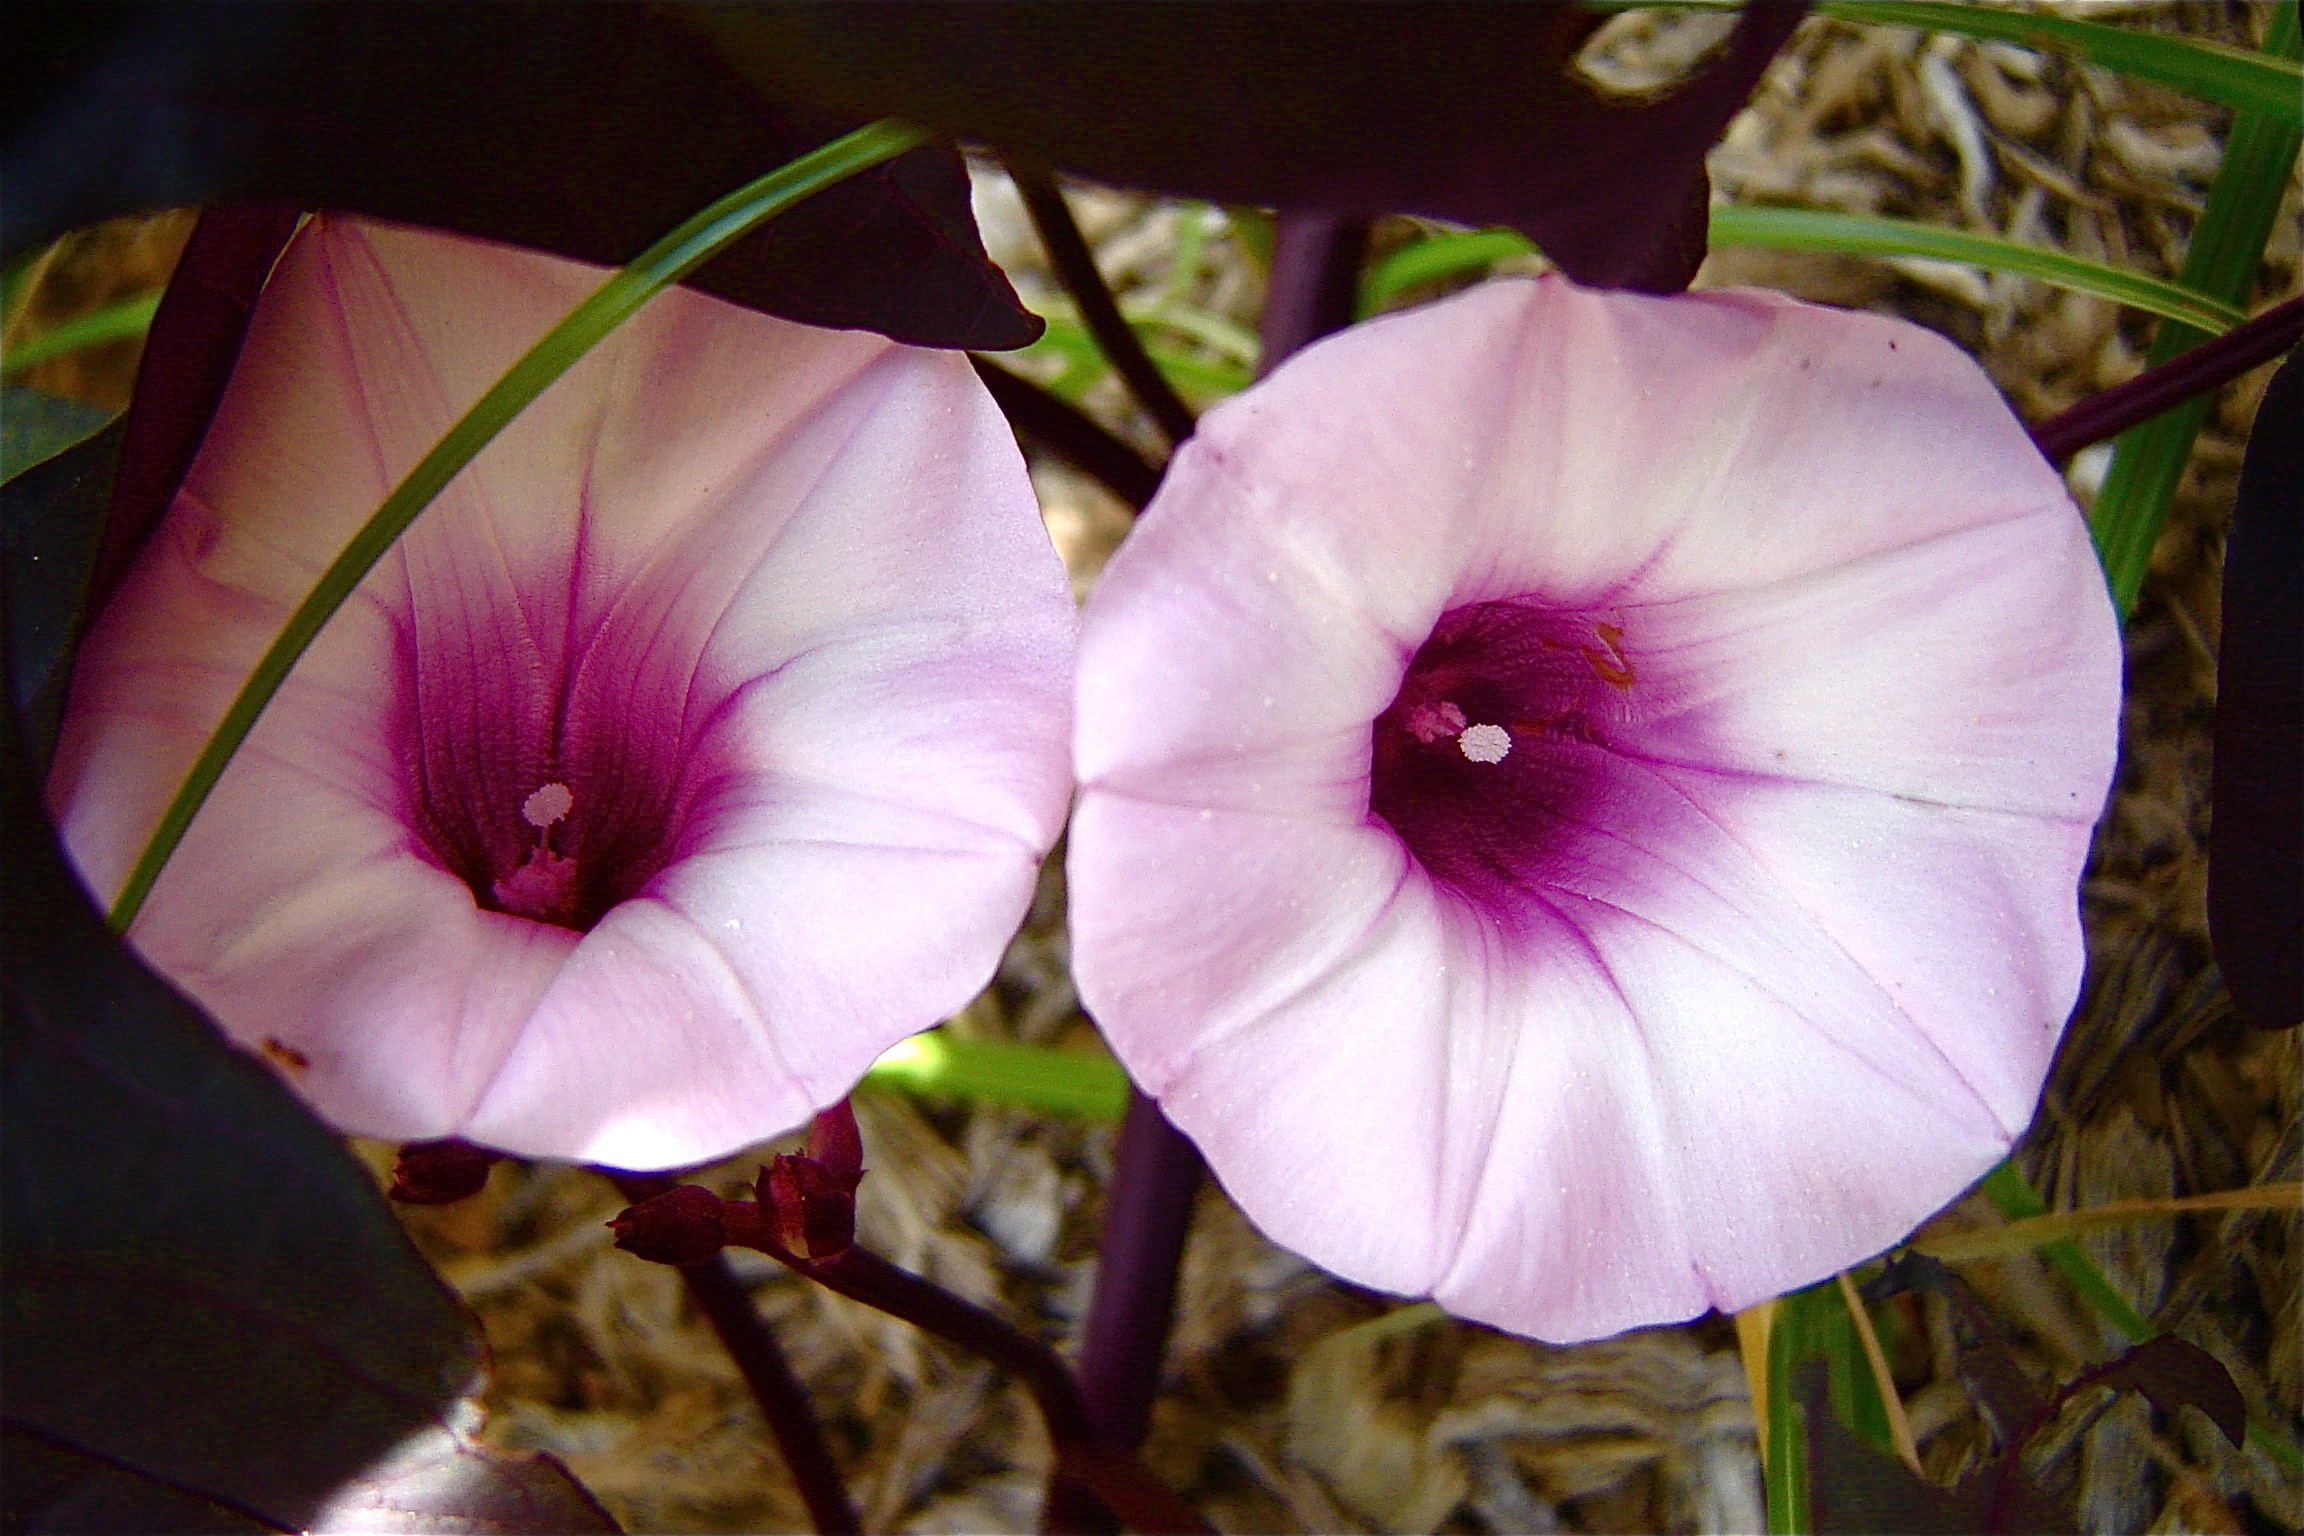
point(544, 887)
point(556, 836)
point(1499, 743)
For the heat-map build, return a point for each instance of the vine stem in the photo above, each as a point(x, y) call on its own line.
point(783, 1401)
point(2213, 363)
point(1315, 280)
point(1071, 434)
point(1083, 1456)
point(1315, 276)
point(1075, 267)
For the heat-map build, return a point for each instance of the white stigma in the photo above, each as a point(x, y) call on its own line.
point(547, 805)
point(1485, 743)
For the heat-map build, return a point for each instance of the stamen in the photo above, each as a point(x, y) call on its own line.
point(1485, 743)
point(547, 805)
point(1429, 722)
point(544, 887)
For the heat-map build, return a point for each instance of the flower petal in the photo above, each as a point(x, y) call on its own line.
point(771, 605)
point(1826, 679)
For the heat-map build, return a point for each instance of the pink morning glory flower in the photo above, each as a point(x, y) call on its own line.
point(699, 743)
point(1582, 796)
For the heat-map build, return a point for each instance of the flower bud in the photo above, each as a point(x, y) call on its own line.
point(811, 1208)
point(834, 1141)
point(439, 1172)
point(680, 1226)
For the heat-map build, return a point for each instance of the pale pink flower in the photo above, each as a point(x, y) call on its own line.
point(698, 744)
point(1582, 796)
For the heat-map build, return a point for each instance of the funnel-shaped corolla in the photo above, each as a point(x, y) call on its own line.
point(1582, 796)
point(700, 742)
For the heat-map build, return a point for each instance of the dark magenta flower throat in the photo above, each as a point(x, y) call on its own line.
point(550, 809)
point(1500, 744)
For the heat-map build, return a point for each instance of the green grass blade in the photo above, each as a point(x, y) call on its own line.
point(1785, 1470)
point(662, 264)
point(1434, 259)
point(130, 317)
point(2238, 77)
point(2015, 1198)
point(2268, 82)
point(1865, 234)
point(2226, 248)
point(939, 1064)
point(1202, 379)
point(1846, 234)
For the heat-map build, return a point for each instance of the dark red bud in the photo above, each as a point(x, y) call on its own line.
point(834, 1141)
point(438, 1172)
point(680, 1226)
point(811, 1209)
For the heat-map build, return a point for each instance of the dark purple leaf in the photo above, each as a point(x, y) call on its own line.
point(212, 1320)
point(2256, 843)
point(1854, 1490)
point(1459, 111)
point(51, 518)
point(50, 1487)
point(441, 1484)
point(1989, 1368)
point(578, 128)
point(2172, 1372)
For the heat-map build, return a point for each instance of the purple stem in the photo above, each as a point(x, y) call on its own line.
point(1316, 260)
point(1118, 1480)
point(1075, 267)
point(1147, 1212)
point(783, 1401)
point(2214, 362)
point(1070, 434)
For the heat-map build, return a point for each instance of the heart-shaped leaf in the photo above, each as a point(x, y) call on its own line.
point(213, 1322)
point(2172, 1372)
point(2256, 844)
point(578, 128)
point(51, 522)
point(1471, 112)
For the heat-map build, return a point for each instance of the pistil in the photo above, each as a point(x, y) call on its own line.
point(544, 887)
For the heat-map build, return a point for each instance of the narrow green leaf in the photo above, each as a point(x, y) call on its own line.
point(118, 322)
point(1866, 234)
point(2264, 82)
point(1202, 378)
point(1785, 1471)
point(2226, 248)
point(662, 264)
point(1845, 234)
point(2238, 77)
point(2015, 1198)
point(1435, 259)
point(939, 1064)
